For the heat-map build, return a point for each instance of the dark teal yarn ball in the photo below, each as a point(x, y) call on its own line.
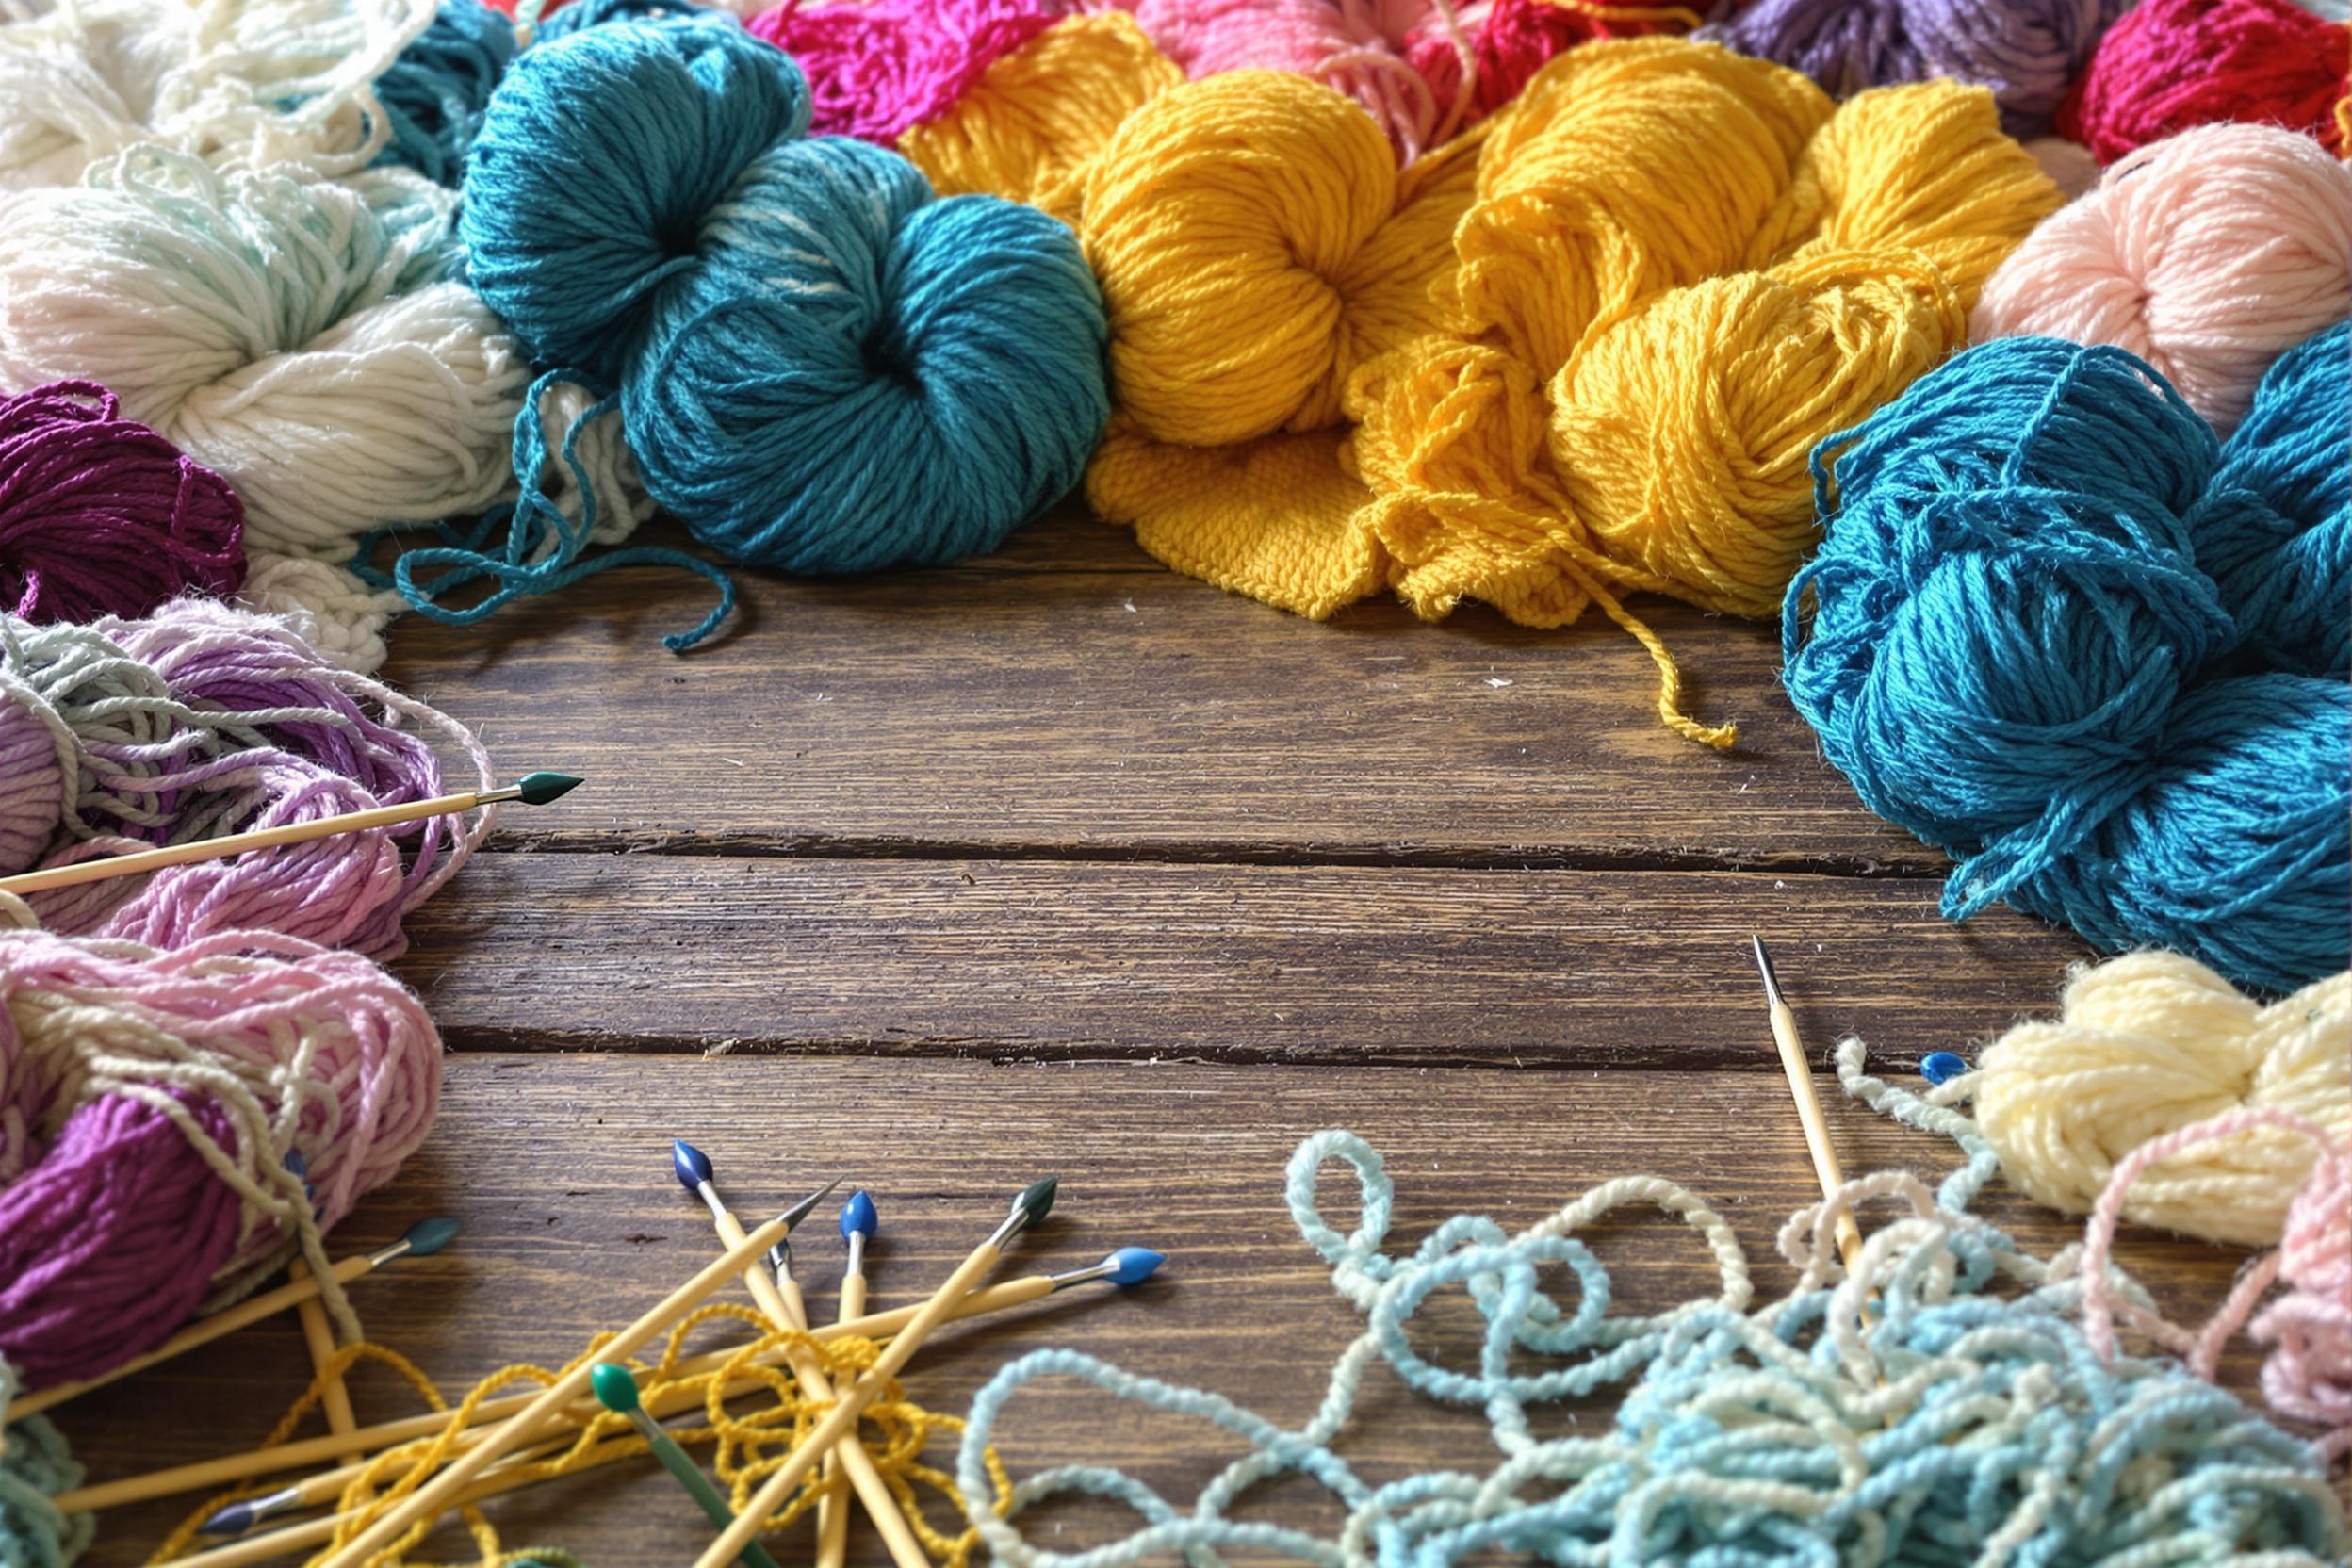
point(2058, 630)
point(434, 93)
point(822, 368)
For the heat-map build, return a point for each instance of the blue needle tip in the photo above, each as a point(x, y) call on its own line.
point(858, 1215)
point(692, 1165)
point(428, 1236)
point(1942, 1067)
point(1135, 1264)
point(236, 1519)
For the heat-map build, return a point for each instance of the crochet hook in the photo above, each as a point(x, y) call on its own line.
point(1030, 1206)
point(1817, 1142)
point(533, 789)
point(779, 1297)
point(617, 1391)
point(423, 1239)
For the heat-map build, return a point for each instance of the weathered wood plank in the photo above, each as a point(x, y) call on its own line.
point(1052, 960)
point(1071, 698)
point(558, 1168)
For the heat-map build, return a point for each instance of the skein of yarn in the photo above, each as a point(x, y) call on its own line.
point(2027, 51)
point(99, 515)
point(2061, 632)
point(2167, 65)
point(434, 93)
point(878, 67)
point(200, 721)
point(821, 367)
point(35, 1467)
point(1940, 1405)
point(2145, 1046)
point(2208, 255)
point(148, 1103)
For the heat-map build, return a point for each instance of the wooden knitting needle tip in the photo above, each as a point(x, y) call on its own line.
point(1800, 1073)
point(616, 1390)
point(424, 1238)
point(533, 789)
point(1031, 1204)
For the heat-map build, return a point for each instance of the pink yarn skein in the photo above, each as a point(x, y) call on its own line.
point(2308, 1375)
point(2208, 255)
point(876, 70)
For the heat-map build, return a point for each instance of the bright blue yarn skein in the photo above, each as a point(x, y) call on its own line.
point(2058, 630)
point(821, 368)
point(434, 93)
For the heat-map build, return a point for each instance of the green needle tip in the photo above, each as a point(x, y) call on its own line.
point(1036, 1199)
point(537, 789)
point(616, 1388)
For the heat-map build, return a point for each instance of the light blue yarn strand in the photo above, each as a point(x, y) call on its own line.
point(36, 1467)
point(1975, 1416)
point(2060, 632)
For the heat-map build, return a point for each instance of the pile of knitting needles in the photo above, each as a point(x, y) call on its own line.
point(499, 1450)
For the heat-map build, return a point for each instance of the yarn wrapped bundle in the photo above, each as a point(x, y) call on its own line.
point(199, 721)
point(2060, 632)
point(1574, 373)
point(1491, 48)
point(434, 94)
point(2027, 51)
point(36, 1466)
point(149, 1100)
point(877, 68)
point(2169, 65)
point(2208, 255)
point(821, 367)
point(1940, 1405)
point(99, 515)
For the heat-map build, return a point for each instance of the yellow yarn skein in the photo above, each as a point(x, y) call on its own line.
point(1040, 115)
point(2150, 1042)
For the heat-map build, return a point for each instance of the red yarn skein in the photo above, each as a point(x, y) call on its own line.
point(2172, 65)
point(1511, 40)
point(100, 515)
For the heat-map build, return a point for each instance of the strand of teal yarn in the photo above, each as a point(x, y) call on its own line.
point(433, 95)
point(1938, 1406)
point(36, 1466)
point(2061, 632)
point(821, 368)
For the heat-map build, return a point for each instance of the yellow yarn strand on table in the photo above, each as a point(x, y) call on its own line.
point(2151, 1042)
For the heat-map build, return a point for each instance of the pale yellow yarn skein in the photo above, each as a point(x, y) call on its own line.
point(2150, 1042)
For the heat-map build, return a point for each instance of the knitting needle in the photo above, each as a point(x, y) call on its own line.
point(617, 1391)
point(1127, 1266)
point(426, 1504)
point(334, 1398)
point(780, 1299)
point(424, 1238)
point(1817, 1142)
point(859, 1223)
point(1031, 1204)
point(533, 789)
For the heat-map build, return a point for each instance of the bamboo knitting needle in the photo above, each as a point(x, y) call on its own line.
point(1817, 1142)
point(424, 1238)
point(780, 1299)
point(1032, 1204)
point(426, 1504)
point(334, 1398)
point(1128, 1265)
point(859, 1223)
point(533, 789)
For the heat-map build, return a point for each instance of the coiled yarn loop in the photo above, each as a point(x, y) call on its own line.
point(2018, 647)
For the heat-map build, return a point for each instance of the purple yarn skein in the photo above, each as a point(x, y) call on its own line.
point(2027, 51)
point(100, 515)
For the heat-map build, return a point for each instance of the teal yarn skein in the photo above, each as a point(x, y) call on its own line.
point(2061, 632)
point(434, 93)
point(821, 368)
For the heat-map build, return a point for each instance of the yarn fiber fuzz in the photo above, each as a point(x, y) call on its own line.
point(99, 515)
point(148, 1103)
point(2060, 631)
point(2169, 65)
point(2208, 255)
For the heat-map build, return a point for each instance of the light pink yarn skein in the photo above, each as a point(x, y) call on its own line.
point(2208, 255)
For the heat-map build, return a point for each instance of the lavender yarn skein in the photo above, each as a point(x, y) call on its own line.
point(2027, 51)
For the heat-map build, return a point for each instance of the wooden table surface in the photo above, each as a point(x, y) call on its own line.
point(1056, 861)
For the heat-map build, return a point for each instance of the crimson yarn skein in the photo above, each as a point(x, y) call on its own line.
point(100, 515)
point(2169, 65)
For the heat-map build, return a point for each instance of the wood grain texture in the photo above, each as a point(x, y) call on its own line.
point(570, 1232)
point(1071, 698)
point(1051, 960)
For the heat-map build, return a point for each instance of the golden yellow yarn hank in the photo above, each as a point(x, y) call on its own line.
point(2151, 1042)
point(750, 1446)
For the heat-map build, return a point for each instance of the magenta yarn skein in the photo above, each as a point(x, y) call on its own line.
point(100, 515)
point(148, 1103)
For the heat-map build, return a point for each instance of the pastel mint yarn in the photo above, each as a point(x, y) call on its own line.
point(821, 367)
point(36, 1466)
point(2061, 632)
point(1941, 1406)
